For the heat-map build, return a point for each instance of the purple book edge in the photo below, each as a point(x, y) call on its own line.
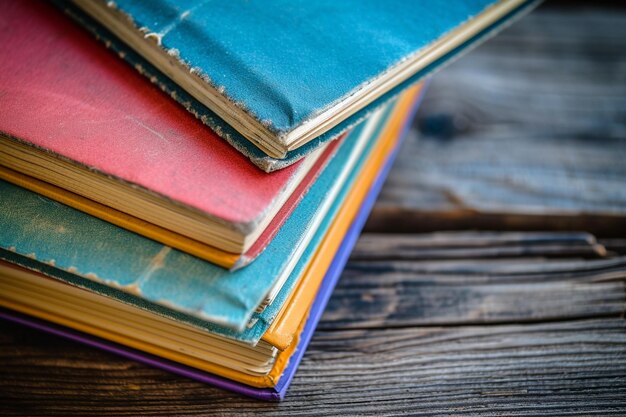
point(317, 309)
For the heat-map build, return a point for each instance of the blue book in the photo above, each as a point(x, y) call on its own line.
point(277, 79)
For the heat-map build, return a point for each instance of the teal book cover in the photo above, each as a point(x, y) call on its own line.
point(277, 79)
point(64, 243)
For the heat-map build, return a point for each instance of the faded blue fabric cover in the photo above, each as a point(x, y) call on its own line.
point(286, 59)
point(65, 243)
point(289, 59)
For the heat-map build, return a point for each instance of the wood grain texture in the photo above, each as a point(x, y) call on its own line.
point(450, 285)
point(563, 368)
point(489, 336)
point(472, 245)
point(528, 132)
point(446, 324)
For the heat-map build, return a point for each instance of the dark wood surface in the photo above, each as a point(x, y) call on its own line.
point(525, 133)
point(540, 332)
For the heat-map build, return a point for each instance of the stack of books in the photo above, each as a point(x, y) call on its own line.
point(182, 182)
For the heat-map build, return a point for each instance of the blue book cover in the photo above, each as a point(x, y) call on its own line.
point(62, 242)
point(277, 79)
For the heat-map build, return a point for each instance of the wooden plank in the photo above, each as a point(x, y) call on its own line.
point(474, 245)
point(525, 133)
point(481, 239)
point(372, 301)
point(543, 369)
point(418, 292)
point(480, 270)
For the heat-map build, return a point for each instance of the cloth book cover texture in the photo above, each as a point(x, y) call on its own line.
point(258, 55)
point(64, 93)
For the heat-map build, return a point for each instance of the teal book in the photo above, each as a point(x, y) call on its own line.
point(277, 79)
point(67, 244)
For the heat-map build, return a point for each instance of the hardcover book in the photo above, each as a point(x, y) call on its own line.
point(284, 74)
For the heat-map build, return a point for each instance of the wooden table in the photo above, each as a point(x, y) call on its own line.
point(525, 133)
